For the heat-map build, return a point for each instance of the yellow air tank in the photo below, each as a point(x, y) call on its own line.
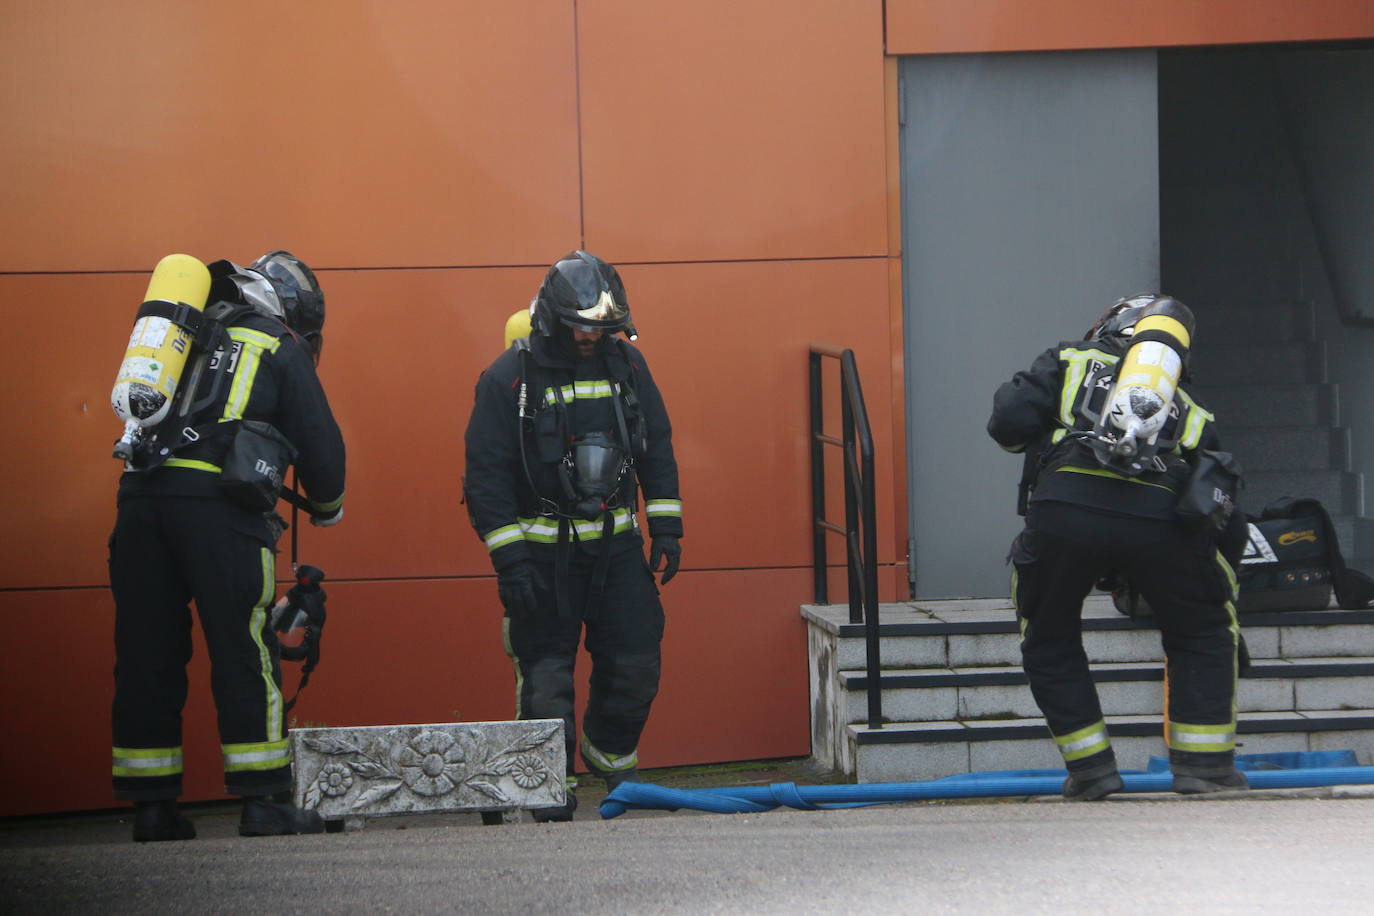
point(158, 347)
point(1148, 374)
point(517, 326)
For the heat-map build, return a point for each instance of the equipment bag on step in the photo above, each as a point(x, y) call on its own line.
point(1292, 562)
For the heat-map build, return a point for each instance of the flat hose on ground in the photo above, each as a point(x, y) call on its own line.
point(1009, 783)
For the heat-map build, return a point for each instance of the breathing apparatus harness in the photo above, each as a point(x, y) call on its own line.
point(303, 604)
point(1125, 451)
point(1115, 451)
point(593, 472)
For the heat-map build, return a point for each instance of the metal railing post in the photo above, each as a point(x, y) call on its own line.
point(819, 575)
point(860, 509)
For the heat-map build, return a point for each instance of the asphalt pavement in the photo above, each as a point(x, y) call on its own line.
point(1290, 851)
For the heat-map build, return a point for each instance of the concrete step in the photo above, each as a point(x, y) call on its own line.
point(1227, 273)
point(981, 633)
point(1288, 448)
point(1361, 544)
point(962, 658)
point(1285, 362)
point(909, 751)
point(1298, 404)
point(965, 694)
point(1341, 492)
point(1256, 323)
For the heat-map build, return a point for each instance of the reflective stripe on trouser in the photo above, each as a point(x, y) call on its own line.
point(623, 631)
point(1063, 552)
point(1083, 743)
point(146, 761)
point(602, 762)
point(1202, 739)
point(165, 552)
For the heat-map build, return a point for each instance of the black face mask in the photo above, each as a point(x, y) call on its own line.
point(567, 347)
point(594, 468)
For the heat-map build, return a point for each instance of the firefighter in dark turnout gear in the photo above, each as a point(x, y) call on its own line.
point(566, 427)
point(178, 538)
point(1091, 514)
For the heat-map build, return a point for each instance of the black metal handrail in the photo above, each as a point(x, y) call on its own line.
point(859, 509)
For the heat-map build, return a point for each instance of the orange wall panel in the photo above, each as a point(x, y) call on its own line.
point(367, 132)
point(734, 682)
point(926, 27)
point(727, 343)
point(57, 499)
point(403, 351)
point(729, 129)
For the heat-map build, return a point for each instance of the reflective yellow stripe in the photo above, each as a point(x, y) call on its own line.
point(606, 762)
point(1084, 742)
point(515, 661)
point(596, 388)
point(250, 358)
point(330, 507)
point(192, 464)
point(1198, 418)
point(257, 339)
point(544, 530)
point(1074, 377)
point(1102, 472)
point(146, 761)
point(265, 755)
point(500, 537)
point(1202, 738)
point(663, 507)
point(257, 621)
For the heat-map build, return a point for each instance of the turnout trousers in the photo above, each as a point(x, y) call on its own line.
point(165, 552)
point(1057, 559)
point(623, 624)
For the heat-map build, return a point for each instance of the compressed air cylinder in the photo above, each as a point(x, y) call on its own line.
point(1148, 374)
point(517, 325)
point(158, 347)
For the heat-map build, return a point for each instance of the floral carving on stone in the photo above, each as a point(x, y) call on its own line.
point(378, 770)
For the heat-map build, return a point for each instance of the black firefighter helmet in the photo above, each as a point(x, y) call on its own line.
point(302, 300)
point(1120, 319)
point(582, 291)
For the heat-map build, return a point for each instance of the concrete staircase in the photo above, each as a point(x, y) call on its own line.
point(955, 699)
point(1264, 376)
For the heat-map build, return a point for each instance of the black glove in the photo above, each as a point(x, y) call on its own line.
point(665, 545)
point(516, 585)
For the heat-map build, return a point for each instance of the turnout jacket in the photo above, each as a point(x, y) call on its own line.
point(1033, 413)
point(266, 373)
point(569, 398)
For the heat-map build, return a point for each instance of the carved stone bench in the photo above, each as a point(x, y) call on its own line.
point(497, 768)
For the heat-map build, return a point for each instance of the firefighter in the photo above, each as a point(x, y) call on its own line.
point(178, 537)
point(566, 428)
point(1101, 503)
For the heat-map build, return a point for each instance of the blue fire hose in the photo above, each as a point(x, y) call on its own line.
point(1297, 770)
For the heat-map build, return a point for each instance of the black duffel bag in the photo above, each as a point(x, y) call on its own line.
point(1292, 562)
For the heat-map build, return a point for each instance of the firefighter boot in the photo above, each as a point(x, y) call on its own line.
point(1203, 773)
point(155, 821)
point(560, 814)
point(1092, 784)
point(265, 815)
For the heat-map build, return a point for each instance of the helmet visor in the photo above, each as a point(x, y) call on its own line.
point(604, 313)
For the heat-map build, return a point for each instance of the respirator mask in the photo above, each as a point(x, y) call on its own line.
point(592, 471)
